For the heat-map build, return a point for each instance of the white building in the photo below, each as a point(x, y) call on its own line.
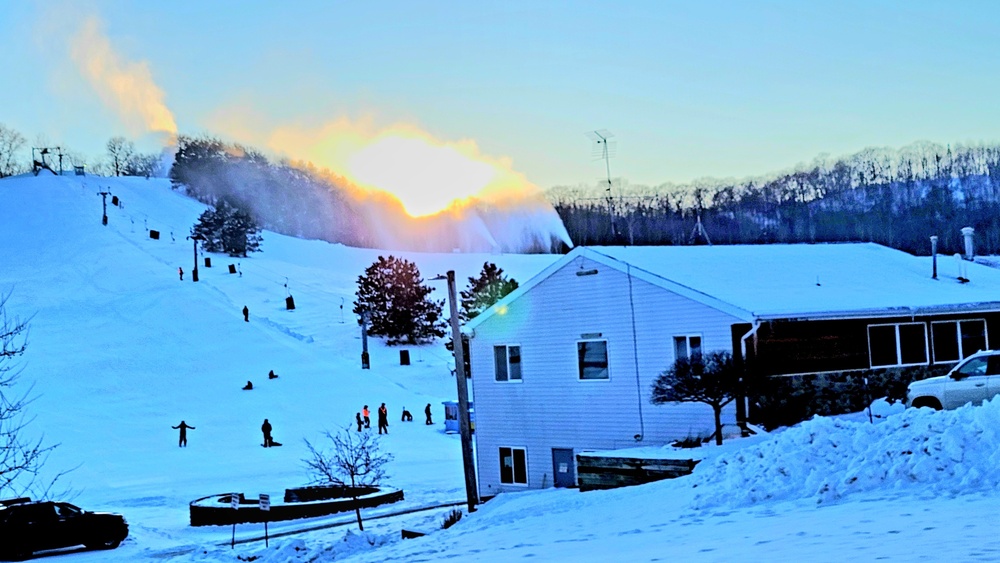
point(566, 362)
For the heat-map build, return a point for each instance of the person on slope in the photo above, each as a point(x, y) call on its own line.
point(383, 419)
point(183, 441)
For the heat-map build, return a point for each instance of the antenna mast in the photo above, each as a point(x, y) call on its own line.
point(604, 150)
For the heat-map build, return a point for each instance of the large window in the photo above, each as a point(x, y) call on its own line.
point(592, 357)
point(903, 344)
point(687, 347)
point(508, 362)
point(513, 466)
point(954, 340)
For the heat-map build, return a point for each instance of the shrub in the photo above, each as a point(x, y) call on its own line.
point(451, 519)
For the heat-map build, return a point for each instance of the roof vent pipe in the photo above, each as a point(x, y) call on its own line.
point(967, 235)
point(934, 256)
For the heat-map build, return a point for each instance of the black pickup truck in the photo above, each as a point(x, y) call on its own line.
point(29, 526)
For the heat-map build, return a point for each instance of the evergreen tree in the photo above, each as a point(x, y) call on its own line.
point(491, 286)
point(395, 299)
point(228, 228)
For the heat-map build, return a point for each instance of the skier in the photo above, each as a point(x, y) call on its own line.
point(407, 417)
point(246, 314)
point(248, 386)
point(266, 429)
point(368, 421)
point(427, 412)
point(183, 441)
point(180, 271)
point(383, 419)
point(272, 375)
point(361, 424)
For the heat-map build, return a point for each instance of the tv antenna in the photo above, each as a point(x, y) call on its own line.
point(603, 148)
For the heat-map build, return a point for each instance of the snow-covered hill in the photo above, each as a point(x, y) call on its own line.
point(120, 349)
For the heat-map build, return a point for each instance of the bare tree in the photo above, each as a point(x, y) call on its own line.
point(21, 458)
point(11, 144)
point(710, 378)
point(356, 456)
point(120, 153)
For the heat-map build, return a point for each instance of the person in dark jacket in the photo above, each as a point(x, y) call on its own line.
point(246, 314)
point(181, 272)
point(361, 423)
point(248, 386)
point(272, 375)
point(183, 441)
point(383, 419)
point(266, 429)
point(407, 417)
point(427, 413)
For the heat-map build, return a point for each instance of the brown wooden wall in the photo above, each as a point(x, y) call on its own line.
point(792, 347)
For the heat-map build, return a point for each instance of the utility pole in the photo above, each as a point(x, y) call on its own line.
point(104, 205)
point(364, 339)
point(464, 427)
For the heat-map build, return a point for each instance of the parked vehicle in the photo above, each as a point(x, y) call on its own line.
point(973, 380)
point(27, 527)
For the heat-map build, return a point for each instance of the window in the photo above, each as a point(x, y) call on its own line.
point(592, 356)
point(903, 344)
point(955, 340)
point(688, 347)
point(508, 362)
point(513, 466)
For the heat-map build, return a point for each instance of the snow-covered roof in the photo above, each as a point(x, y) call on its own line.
point(777, 281)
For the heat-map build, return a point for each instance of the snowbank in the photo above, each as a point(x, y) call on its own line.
point(827, 459)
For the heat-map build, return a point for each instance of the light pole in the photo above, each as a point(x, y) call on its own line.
point(194, 272)
point(464, 427)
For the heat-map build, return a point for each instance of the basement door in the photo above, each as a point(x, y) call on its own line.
point(563, 467)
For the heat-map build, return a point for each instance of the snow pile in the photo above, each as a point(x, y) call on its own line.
point(828, 459)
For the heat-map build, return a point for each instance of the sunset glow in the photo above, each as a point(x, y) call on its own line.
point(426, 178)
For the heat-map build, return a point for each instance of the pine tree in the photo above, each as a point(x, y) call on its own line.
point(394, 297)
point(491, 286)
point(228, 228)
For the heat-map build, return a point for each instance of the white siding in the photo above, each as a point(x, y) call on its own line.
point(551, 407)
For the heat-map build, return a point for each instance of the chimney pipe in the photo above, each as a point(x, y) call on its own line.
point(934, 255)
point(967, 235)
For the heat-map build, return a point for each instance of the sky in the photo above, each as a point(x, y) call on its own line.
point(688, 89)
point(120, 350)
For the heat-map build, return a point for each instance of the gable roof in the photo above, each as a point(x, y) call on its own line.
point(785, 281)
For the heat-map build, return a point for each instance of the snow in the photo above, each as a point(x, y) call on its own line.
point(781, 280)
point(120, 350)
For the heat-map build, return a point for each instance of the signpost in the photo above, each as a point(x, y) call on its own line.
point(234, 501)
point(265, 505)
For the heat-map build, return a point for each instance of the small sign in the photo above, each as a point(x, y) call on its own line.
point(234, 501)
point(563, 468)
point(590, 335)
point(265, 502)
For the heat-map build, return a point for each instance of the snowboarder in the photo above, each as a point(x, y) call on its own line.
point(407, 417)
point(180, 271)
point(266, 429)
point(427, 412)
point(361, 423)
point(248, 386)
point(246, 314)
point(272, 375)
point(368, 421)
point(183, 441)
point(383, 419)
